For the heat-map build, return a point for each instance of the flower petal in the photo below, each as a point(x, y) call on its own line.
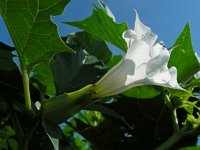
point(197, 75)
point(161, 77)
point(131, 81)
point(173, 82)
point(140, 28)
point(157, 63)
point(150, 38)
point(143, 64)
point(129, 36)
point(156, 50)
point(116, 79)
point(138, 52)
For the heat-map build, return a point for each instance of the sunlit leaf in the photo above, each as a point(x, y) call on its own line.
point(114, 60)
point(107, 9)
point(183, 56)
point(102, 26)
point(33, 33)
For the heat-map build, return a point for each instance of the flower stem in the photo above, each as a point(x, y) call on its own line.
point(59, 108)
point(173, 114)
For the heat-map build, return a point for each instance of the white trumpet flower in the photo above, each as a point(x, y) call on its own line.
point(145, 63)
point(197, 75)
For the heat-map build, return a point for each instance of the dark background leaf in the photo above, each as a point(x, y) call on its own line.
point(42, 72)
point(6, 57)
point(73, 71)
point(94, 46)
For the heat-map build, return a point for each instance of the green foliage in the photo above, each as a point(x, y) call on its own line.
point(92, 118)
point(142, 92)
point(62, 82)
point(102, 26)
point(44, 77)
point(114, 60)
point(183, 56)
point(93, 46)
point(26, 21)
point(6, 62)
point(74, 71)
point(6, 138)
point(190, 148)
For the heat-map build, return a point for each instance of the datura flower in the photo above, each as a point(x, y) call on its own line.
point(145, 63)
point(197, 75)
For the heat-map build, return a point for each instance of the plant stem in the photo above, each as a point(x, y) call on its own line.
point(170, 141)
point(24, 70)
point(26, 88)
point(173, 114)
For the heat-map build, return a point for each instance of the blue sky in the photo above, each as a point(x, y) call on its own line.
point(166, 18)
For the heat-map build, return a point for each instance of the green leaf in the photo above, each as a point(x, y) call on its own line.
point(114, 60)
point(6, 60)
point(9, 131)
point(51, 130)
point(13, 144)
point(74, 71)
point(179, 93)
point(99, 24)
point(190, 148)
point(107, 9)
point(188, 106)
point(94, 46)
point(33, 33)
point(192, 84)
point(183, 56)
point(105, 110)
point(6, 57)
point(42, 72)
point(92, 118)
point(3, 144)
point(55, 142)
point(142, 92)
point(65, 67)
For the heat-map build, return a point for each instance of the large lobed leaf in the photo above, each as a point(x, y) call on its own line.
point(31, 28)
point(183, 56)
point(42, 73)
point(102, 26)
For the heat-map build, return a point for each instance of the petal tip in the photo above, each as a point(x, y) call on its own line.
point(140, 28)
